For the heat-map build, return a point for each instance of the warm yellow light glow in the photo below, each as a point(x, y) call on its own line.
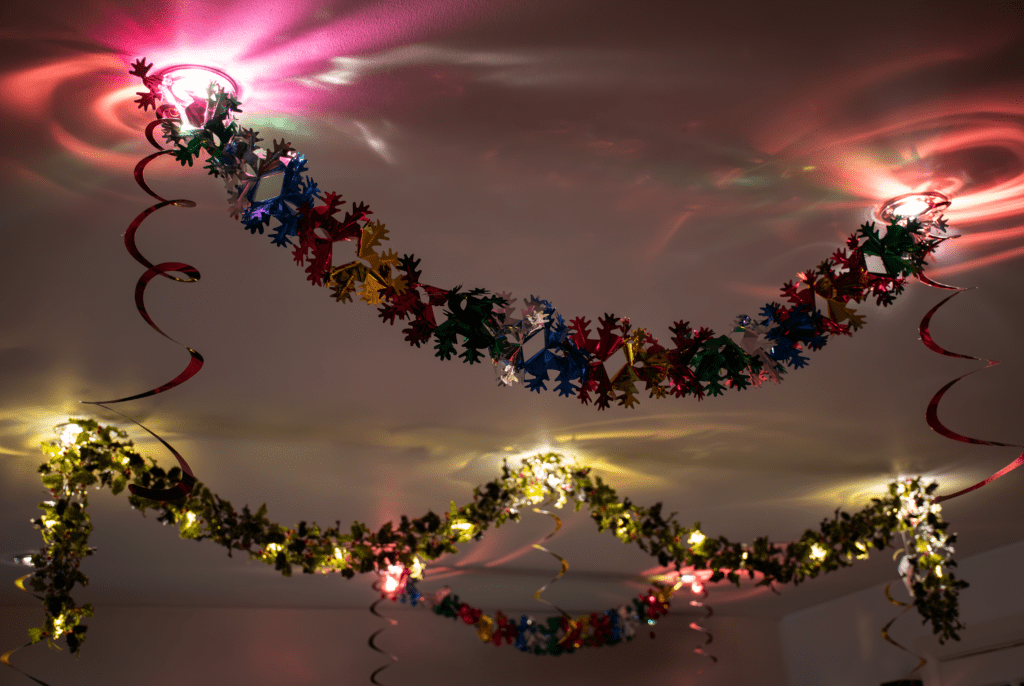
point(622, 529)
point(696, 538)
point(49, 523)
point(338, 554)
point(190, 517)
point(535, 493)
point(274, 548)
point(818, 553)
point(69, 433)
point(58, 625)
point(416, 571)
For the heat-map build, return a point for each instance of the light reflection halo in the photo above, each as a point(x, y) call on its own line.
point(183, 84)
point(912, 206)
point(193, 75)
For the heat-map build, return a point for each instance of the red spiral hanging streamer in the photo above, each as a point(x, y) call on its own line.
point(932, 413)
point(166, 270)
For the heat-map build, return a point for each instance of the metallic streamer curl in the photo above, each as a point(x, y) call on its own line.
point(6, 657)
point(166, 270)
point(373, 645)
point(885, 630)
point(564, 565)
point(709, 612)
point(932, 413)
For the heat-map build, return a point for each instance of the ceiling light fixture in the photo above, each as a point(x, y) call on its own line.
point(186, 88)
point(920, 206)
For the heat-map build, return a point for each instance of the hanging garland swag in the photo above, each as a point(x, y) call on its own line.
point(698, 362)
point(89, 454)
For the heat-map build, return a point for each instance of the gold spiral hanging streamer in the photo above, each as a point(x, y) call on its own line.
point(6, 657)
point(561, 572)
point(885, 629)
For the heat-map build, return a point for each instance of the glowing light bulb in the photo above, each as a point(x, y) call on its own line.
point(912, 206)
point(68, 433)
point(185, 86)
point(416, 571)
point(393, 580)
point(817, 552)
point(696, 538)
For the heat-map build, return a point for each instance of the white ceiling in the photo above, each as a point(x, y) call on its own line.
point(657, 160)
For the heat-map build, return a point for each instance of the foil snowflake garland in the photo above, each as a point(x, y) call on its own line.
point(700, 364)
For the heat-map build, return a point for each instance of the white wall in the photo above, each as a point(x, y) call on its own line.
point(839, 643)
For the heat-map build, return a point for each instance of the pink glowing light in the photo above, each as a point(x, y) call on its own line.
point(270, 48)
point(392, 582)
point(188, 86)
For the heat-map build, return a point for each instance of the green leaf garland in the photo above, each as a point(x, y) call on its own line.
point(92, 454)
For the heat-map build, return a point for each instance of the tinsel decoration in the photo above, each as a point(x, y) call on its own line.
point(88, 454)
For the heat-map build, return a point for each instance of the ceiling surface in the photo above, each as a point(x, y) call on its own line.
point(661, 161)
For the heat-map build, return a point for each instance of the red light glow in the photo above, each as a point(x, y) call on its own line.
point(966, 143)
point(392, 582)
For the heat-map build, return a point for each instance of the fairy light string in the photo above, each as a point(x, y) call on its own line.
point(88, 453)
